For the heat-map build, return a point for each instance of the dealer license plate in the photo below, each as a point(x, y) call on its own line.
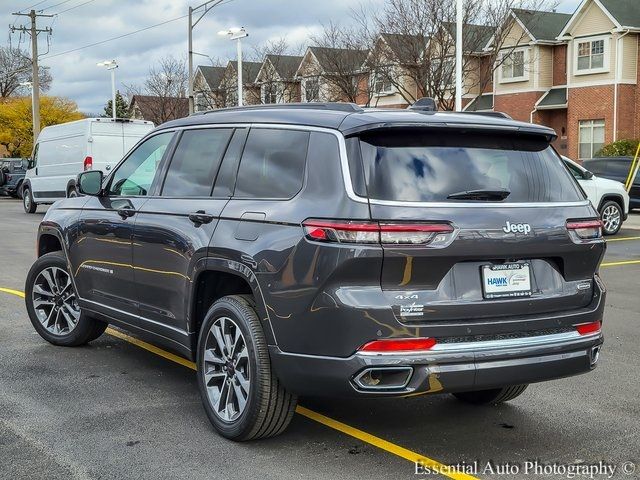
point(507, 280)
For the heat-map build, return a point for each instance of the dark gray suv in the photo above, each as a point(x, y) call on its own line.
point(329, 250)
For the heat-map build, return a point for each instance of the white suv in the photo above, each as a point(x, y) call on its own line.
point(608, 196)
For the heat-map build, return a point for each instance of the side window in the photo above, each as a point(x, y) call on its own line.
point(272, 164)
point(34, 160)
point(575, 171)
point(135, 175)
point(195, 162)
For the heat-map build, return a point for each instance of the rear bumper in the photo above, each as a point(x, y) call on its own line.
point(467, 368)
point(450, 367)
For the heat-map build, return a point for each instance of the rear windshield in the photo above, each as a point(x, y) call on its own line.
point(431, 166)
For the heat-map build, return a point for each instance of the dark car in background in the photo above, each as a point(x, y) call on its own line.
point(616, 168)
point(12, 172)
point(323, 249)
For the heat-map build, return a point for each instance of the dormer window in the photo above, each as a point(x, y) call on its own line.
point(591, 55)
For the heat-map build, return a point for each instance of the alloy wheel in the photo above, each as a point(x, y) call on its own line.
point(54, 301)
point(226, 372)
point(611, 218)
point(26, 198)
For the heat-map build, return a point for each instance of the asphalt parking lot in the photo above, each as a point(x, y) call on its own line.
point(115, 409)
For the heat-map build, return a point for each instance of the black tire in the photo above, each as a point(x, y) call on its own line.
point(19, 190)
point(491, 397)
point(3, 178)
point(269, 407)
point(86, 328)
point(72, 192)
point(609, 212)
point(27, 201)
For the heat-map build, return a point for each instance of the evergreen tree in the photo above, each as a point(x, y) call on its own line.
point(122, 107)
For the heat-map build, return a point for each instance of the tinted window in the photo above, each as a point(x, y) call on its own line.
point(595, 166)
point(195, 162)
point(618, 168)
point(135, 175)
point(575, 171)
point(272, 164)
point(428, 166)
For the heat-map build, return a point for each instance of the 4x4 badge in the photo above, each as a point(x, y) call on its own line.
point(517, 228)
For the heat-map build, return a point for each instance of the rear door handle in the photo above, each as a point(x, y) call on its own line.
point(200, 217)
point(126, 213)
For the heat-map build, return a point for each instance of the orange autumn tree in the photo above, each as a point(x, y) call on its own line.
point(16, 129)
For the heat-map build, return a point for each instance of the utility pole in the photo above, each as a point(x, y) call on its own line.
point(35, 85)
point(207, 6)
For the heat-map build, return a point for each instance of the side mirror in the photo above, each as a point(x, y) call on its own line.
point(90, 183)
point(587, 175)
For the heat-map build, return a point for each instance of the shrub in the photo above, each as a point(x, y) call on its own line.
point(621, 148)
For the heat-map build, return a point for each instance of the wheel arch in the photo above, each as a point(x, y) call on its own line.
point(215, 278)
point(615, 197)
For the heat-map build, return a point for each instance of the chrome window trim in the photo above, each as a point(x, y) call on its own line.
point(346, 174)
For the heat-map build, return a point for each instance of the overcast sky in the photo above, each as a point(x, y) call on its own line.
point(76, 76)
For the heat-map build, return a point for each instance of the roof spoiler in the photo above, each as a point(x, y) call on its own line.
point(424, 104)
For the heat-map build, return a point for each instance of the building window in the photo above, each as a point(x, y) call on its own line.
point(591, 56)
point(311, 90)
point(382, 84)
point(442, 73)
point(201, 102)
point(591, 138)
point(270, 93)
point(513, 66)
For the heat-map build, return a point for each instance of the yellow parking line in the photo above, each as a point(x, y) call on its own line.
point(617, 264)
point(622, 239)
point(305, 412)
point(12, 292)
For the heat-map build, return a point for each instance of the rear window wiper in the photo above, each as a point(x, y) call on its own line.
point(486, 195)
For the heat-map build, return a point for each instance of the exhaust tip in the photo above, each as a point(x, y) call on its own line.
point(595, 355)
point(383, 378)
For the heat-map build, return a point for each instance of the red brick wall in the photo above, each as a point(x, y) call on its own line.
point(556, 119)
point(363, 89)
point(589, 103)
point(517, 105)
point(486, 74)
point(626, 111)
point(560, 65)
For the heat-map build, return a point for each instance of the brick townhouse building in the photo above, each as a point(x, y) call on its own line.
point(575, 73)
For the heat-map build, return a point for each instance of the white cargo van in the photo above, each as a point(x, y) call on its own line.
point(63, 151)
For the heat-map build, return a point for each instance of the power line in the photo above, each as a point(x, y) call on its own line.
point(114, 38)
point(54, 6)
point(34, 5)
point(75, 6)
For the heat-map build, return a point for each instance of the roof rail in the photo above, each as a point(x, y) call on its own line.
point(335, 106)
point(491, 114)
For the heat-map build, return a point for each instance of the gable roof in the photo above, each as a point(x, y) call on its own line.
point(347, 58)
point(249, 70)
point(474, 37)
point(398, 42)
point(543, 26)
point(626, 12)
point(623, 13)
point(481, 103)
point(284, 65)
point(212, 75)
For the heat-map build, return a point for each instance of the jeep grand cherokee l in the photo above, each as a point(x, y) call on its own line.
point(329, 250)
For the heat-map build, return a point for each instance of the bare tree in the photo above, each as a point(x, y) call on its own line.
point(414, 49)
point(167, 84)
point(343, 51)
point(15, 68)
point(211, 95)
point(276, 78)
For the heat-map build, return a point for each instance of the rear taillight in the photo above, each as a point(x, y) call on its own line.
point(377, 232)
point(398, 345)
point(589, 328)
point(88, 163)
point(586, 229)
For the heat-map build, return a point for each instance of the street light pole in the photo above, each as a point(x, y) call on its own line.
point(237, 34)
point(207, 6)
point(111, 65)
point(459, 47)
